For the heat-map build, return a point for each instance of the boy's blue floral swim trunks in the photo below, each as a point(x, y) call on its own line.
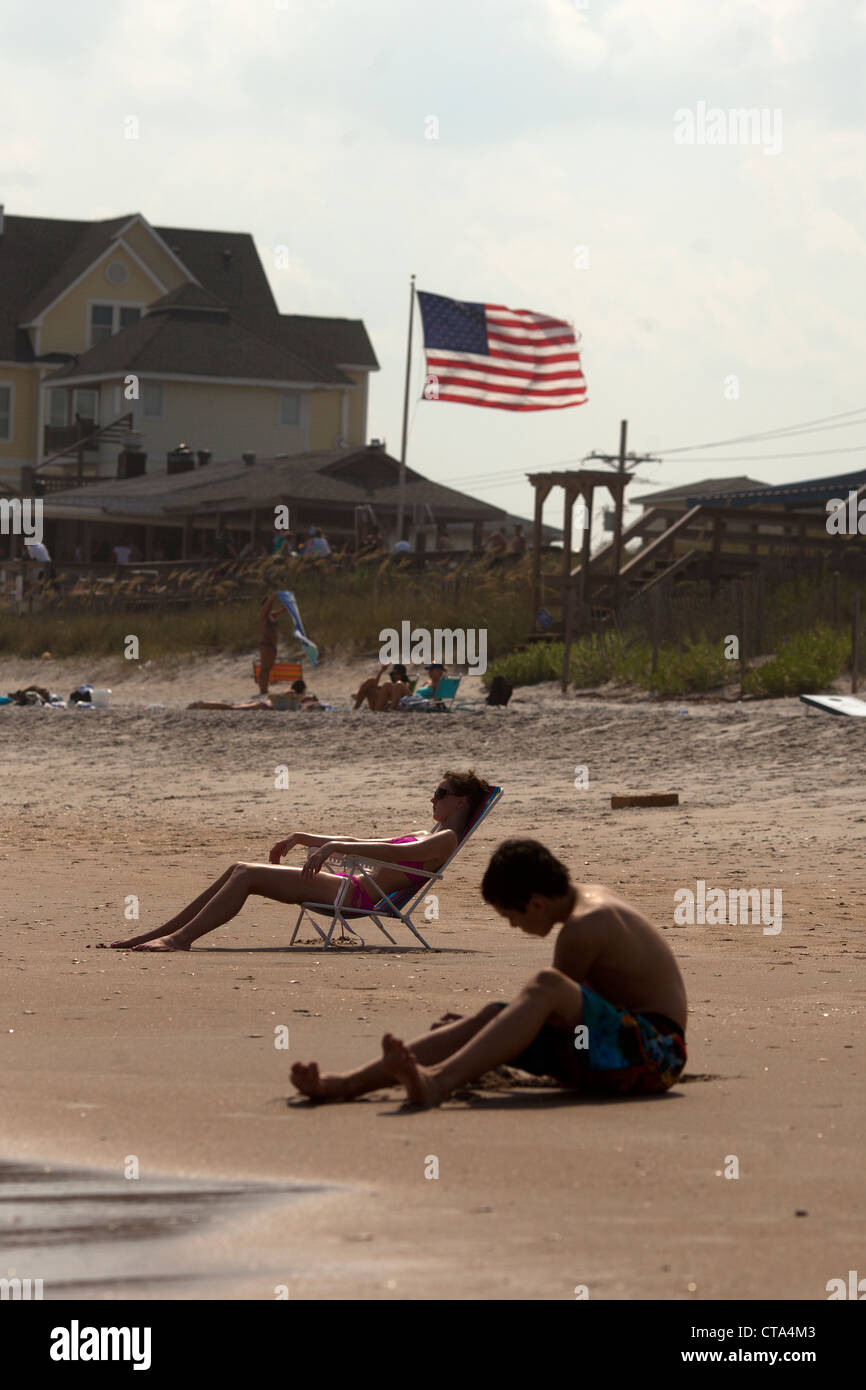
point(624, 1052)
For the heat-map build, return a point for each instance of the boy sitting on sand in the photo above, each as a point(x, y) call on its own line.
point(608, 1016)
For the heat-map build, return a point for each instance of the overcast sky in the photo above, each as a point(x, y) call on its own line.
point(304, 122)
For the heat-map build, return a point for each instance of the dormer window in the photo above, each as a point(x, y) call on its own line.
point(108, 319)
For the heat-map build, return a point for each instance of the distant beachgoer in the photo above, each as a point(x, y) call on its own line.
point(317, 545)
point(456, 800)
point(385, 696)
point(496, 544)
point(122, 553)
point(435, 672)
point(609, 1015)
point(518, 541)
point(268, 618)
point(38, 551)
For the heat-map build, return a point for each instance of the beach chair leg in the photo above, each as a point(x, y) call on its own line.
point(297, 926)
point(414, 930)
point(383, 929)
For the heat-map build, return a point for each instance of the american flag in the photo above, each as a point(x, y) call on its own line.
point(506, 359)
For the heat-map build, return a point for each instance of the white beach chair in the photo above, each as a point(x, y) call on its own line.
point(836, 704)
point(397, 906)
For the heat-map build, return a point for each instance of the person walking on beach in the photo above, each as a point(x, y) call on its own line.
point(456, 801)
point(268, 618)
point(608, 1016)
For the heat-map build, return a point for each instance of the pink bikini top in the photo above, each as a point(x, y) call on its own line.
point(407, 863)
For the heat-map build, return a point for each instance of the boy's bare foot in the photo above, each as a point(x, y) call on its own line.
point(165, 943)
point(400, 1063)
point(307, 1079)
point(128, 943)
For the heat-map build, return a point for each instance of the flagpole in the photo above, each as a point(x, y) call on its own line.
point(401, 496)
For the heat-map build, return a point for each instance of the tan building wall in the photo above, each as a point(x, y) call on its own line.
point(228, 420)
point(66, 326)
point(325, 419)
point(358, 408)
point(21, 448)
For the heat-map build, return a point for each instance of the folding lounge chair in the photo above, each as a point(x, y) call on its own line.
point(396, 907)
point(280, 671)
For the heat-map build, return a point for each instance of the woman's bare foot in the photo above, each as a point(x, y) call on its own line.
point(400, 1063)
point(331, 1086)
point(174, 942)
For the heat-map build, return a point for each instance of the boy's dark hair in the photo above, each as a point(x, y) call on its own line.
point(467, 784)
point(519, 868)
point(299, 687)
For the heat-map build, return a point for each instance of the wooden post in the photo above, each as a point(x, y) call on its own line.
point(759, 613)
point(655, 604)
point(567, 517)
point(186, 542)
point(617, 520)
point(855, 642)
point(743, 644)
point(584, 587)
point(568, 600)
point(716, 563)
point(540, 495)
point(836, 607)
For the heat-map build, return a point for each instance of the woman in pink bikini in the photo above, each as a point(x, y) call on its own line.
point(456, 801)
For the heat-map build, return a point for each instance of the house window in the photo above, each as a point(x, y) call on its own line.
point(101, 322)
point(86, 405)
point(108, 319)
point(151, 399)
point(290, 408)
point(5, 412)
point(58, 409)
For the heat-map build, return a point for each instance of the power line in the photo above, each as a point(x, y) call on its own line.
point(781, 430)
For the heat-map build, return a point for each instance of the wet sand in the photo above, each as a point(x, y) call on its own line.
point(106, 1054)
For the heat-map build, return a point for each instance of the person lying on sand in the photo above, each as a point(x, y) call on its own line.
point(609, 1015)
point(456, 800)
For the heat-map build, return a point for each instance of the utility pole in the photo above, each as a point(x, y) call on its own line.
point(620, 460)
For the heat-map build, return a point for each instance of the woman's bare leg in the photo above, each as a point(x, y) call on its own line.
point(431, 1047)
point(279, 883)
point(185, 915)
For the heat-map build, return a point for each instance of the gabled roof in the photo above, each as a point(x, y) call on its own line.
point(716, 486)
point(809, 492)
point(40, 256)
point(189, 332)
point(95, 237)
point(319, 476)
point(328, 341)
point(238, 279)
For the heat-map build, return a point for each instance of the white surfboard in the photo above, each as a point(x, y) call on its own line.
point(837, 704)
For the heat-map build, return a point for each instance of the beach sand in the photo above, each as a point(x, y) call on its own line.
point(172, 1058)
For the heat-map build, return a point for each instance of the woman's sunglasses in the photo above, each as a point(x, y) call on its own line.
point(440, 792)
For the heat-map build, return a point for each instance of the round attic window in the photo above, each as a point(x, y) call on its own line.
point(116, 273)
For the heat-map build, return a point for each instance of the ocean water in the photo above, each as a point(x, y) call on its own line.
point(90, 1234)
